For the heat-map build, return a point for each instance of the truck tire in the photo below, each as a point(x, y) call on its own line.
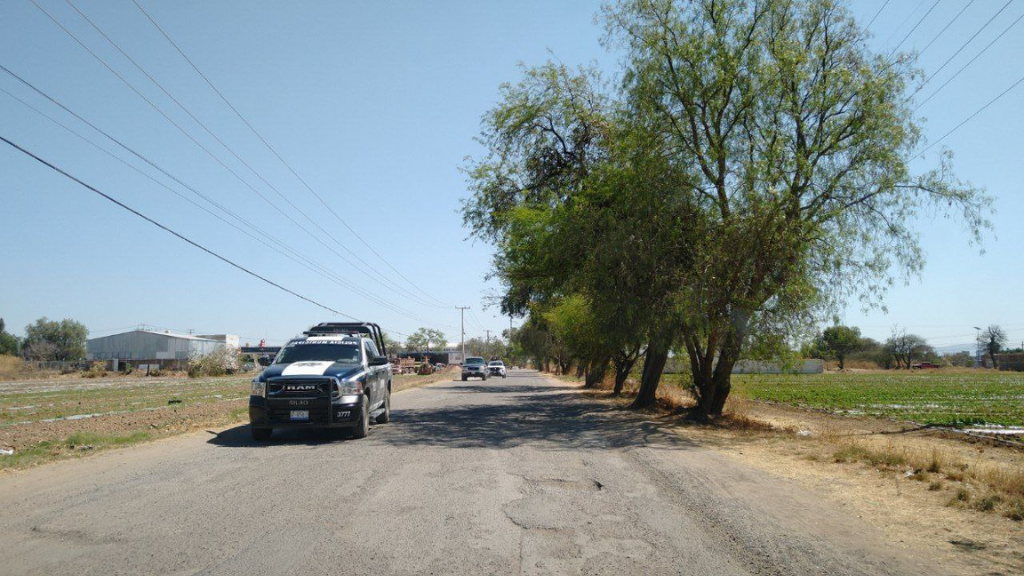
point(261, 434)
point(363, 427)
point(385, 416)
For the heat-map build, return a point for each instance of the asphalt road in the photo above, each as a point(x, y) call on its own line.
point(515, 476)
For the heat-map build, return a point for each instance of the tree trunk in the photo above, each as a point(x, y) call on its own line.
point(566, 366)
point(582, 370)
point(654, 365)
point(623, 366)
point(596, 373)
point(722, 380)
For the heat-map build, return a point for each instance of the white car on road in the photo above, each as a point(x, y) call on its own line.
point(496, 368)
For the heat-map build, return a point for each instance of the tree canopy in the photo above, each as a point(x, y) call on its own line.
point(992, 340)
point(750, 173)
point(56, 340)
point(839, 342)
point(426, 339)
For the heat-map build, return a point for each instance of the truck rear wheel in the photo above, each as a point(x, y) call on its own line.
point(363, 426)
point(261, 434)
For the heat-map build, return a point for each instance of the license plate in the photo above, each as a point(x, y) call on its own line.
point(300, 414)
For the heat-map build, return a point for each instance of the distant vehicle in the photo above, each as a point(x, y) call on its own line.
point(336, 375)
point(924, 365)
point(496, 368)
point(474, 367)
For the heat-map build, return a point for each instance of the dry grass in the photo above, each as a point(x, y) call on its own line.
point(981, 486)
point(12, 367)
point(984, 487)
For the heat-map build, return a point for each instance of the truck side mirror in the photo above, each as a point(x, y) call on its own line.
point(378, 361)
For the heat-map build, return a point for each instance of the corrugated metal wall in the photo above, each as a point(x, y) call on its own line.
point(140, 345)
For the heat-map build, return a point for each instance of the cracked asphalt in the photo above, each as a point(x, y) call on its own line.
point(515, 476)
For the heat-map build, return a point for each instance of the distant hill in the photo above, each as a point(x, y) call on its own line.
point(954, 348)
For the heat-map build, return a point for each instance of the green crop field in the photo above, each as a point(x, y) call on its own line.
point(927, 397)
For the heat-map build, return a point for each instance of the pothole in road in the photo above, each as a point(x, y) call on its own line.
point(567, 484)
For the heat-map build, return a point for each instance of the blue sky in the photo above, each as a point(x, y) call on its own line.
point(376, 105)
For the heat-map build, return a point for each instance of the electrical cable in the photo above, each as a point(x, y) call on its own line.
point(972, 116)
point(961, 48)
point(305, 261)
point(176, 125)
point(172, 232)
point(971, 61)
point(946, 27)
point(279, 157)
point(916, 26)
point(873, 18)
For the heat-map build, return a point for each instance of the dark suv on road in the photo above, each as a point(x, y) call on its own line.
point(474, 367)
point(336, 375)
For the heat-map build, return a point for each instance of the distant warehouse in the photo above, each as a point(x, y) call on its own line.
point(150, 349)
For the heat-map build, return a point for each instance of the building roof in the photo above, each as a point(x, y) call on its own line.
point(166, 333)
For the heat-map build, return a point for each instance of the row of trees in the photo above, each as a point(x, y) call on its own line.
point(747, 173)
point(429, 339)
point(46, 340)
point(900, 350)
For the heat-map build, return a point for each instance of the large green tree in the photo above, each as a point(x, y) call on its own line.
point(751, 172)
point(799, 141)
point(839, 342)
point(992, 340)
point(425, 339)
point(9, 344)
point(67, 338)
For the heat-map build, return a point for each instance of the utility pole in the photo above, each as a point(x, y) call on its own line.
point(977, 345)
point(463, 309)
point(488, 337)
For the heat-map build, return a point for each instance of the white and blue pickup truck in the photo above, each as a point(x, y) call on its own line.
point(336, 375)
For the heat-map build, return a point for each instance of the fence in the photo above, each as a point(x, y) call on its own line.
point(59, 365)
point(1013, 362)
point(678, 365)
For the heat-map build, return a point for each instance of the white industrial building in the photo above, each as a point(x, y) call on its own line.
point(163, 348)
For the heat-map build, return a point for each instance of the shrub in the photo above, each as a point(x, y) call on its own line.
point(96, 369)
point(217, 363)
point(988, 503)
point(1015, 511)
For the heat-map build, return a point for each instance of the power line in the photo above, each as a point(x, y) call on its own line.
point(873, 18)
point(397, 289)
point(972, 116)
point(905, 20)
point(276, 154)
point(221, 142)
point(916, 25)
point(306, 262)
point(971, 61)
point(303, 262)
point(170, 231)
point(946, 27)
point(961, 48)
point(476, 321)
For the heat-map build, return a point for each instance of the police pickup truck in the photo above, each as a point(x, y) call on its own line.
point(336, 375)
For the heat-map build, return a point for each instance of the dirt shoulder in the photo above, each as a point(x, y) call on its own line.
point(54, 420)
point(922, 488)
